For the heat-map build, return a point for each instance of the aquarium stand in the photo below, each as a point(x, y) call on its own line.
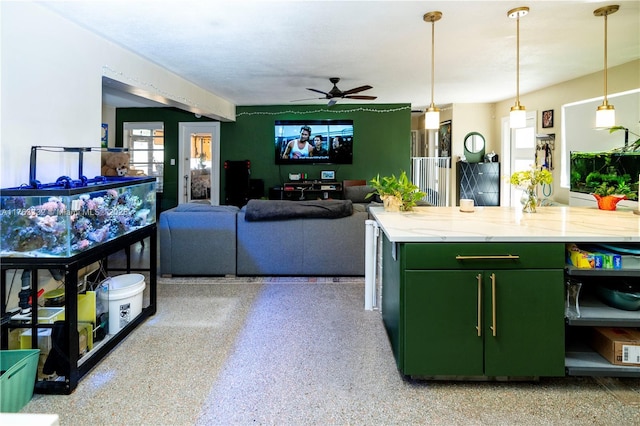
point(78, 367)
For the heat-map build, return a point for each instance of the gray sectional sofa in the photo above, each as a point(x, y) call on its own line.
point(197, 239)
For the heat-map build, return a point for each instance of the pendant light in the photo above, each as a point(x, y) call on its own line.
point(518, 114)
point(432, 116)
point(605, 114)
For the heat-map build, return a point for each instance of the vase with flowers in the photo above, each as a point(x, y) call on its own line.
point(528, 181)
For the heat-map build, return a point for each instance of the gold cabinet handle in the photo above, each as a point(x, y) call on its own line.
point(498, 257)
point(493, 303)
point(479, 326)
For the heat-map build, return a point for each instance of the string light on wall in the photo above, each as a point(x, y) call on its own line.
point(325, 110)
point(518, 114)
point(432, 115)
point(605, 114)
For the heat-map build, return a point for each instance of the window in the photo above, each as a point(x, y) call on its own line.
point(146, 149)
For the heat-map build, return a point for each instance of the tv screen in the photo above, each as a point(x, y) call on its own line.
point(314, 141)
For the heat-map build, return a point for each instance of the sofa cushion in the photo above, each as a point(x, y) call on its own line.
point(302, 247)
point(204, 208)
point(359, 208)
point(358, 194)
point(198, 239)
point(256, 210)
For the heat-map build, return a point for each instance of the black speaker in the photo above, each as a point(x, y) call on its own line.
point(275, 193)
point(256, 188)
point(237, 182)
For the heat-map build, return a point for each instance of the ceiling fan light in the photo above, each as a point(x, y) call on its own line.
point(518, 117)
point(432, 118)
point(605, 116)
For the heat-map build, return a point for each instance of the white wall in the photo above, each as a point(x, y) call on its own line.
point(51, 80)
point(620, 79)
point(109, 117)
point(466, 118)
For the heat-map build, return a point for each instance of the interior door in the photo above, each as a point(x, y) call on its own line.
point(199, 163)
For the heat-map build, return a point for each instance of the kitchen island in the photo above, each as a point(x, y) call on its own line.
point(481, 295)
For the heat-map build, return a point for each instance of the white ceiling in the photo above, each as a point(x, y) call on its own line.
point(269, 52)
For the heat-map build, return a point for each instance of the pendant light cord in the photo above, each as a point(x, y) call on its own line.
point(606, 102)
point(605, 11)
point(433, 65)
point(518, 60)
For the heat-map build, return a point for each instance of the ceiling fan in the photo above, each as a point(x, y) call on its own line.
point(334, 94)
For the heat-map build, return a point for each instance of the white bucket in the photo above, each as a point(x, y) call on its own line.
point(124, 299)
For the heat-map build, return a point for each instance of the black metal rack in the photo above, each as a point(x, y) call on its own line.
point(71, 266)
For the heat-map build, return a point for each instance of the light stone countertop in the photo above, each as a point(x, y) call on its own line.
point(509, 224)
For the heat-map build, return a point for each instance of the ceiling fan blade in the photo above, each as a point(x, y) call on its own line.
point(319, 91)
point(369, 98)
point(357, 90)
point(306, 99)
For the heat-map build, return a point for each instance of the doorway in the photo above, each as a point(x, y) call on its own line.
point(518, 154)
point(199, 163)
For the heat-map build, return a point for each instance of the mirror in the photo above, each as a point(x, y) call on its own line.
point(474, 142)
point(474, 147)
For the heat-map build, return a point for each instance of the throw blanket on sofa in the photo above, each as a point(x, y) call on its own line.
point(256, 210)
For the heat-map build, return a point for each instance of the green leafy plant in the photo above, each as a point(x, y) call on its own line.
point(635, 146)
point(609, 184)
point(400, 187)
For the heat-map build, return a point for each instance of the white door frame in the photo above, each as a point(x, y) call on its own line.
point(508, 195)
point(184, 150)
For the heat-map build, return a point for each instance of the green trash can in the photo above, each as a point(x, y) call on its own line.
point(19, 369)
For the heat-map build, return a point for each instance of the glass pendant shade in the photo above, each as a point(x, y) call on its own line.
point(518, 117)
point(432, 118)
point(432, 115)
point(605, 116)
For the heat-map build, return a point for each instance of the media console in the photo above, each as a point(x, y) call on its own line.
point(309, 190)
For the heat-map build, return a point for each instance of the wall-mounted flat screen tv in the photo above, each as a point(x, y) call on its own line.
point(314, 141)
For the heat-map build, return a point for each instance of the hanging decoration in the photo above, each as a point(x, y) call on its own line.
point(324, 110)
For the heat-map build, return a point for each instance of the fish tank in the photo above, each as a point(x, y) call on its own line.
point(67, 217)
point(588, 170)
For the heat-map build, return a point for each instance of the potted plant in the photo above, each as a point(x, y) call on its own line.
point(397, 193)
point(609, 188)
point(528, 181)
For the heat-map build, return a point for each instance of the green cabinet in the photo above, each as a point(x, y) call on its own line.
point(475, 310)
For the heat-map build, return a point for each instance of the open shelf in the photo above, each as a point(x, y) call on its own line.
point(595, 313)
point(587, 272)
point(581, 360)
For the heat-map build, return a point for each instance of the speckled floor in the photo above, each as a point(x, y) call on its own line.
point(298, 351)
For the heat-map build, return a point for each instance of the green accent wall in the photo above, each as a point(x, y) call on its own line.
point(382, 141)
